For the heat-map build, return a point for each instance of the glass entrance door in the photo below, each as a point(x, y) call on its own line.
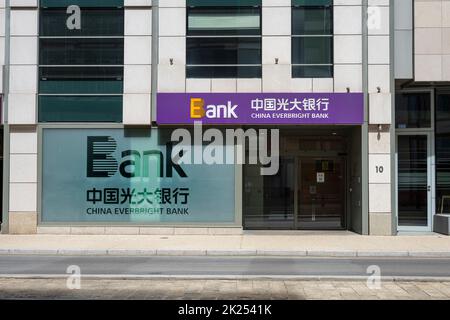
point(414, 182)
point(321, 193)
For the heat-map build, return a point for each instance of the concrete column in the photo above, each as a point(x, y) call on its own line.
point(348, 71)
point(276, 46)
point(2, 43)
point(137, 63)
point(22, 117)
point(172, 46)
point(380, 111)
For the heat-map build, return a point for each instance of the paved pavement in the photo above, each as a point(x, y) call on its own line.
point(266, 244)
point(225, 267)
point(220, 289)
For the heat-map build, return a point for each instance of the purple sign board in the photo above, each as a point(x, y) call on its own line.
point(260, 108)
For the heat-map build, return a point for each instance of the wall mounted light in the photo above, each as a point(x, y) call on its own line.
point(276, 60)
point(171, 61)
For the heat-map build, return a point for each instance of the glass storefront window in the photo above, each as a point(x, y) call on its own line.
point(413, 110)
point(442, 139)
point(223, 41)
point(269, 200)
point(312, 39)
point(127, 176)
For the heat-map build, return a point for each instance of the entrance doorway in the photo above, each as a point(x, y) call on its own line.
point(311, 190)
point(321, 193)
point(414, 185)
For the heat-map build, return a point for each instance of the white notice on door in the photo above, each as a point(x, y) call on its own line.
point(320, 177)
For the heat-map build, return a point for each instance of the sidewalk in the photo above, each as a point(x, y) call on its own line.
point(314, 244)
point(144, 289)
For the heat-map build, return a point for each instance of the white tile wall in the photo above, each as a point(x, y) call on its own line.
point(136, 109)
point(24, 50)
point(431, 43)
point(19, 28)
point(137, 79)
point(138, 50)
point(379, 198)
point(22, 108)
point(380, 108)
point(23, 142)
point(20, 191)
point(23, 168)
point(23, 79)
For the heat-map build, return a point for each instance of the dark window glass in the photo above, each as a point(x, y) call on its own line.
point(312, 71)
point(79, 80)
point(412, 180)
point(312, 50)
point(224, 21)
point(443, 153)
point(413, 110)
point(81, 3)
point(80, 108)
point(312, 39)
point(224, 51)
point(312, 21)
point(94, 22)
point(223, 72)
point(235, 49)
point(79, 51)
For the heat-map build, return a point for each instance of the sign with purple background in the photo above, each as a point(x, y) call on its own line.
point(260, 108)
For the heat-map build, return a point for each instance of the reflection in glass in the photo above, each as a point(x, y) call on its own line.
point(413, 110)
point(412, 180)
point(269, 200)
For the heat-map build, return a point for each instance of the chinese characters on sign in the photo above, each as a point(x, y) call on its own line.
point(132, 196)
point(261, 108)
point(291, 105)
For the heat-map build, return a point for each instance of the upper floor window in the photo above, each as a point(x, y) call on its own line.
point(312, 38)
point(81, 53)
point(223, 39)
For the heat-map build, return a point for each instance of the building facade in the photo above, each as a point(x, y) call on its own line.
point(93, 92)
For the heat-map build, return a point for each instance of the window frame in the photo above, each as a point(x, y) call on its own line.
point(117, 91)
point(236, 75)
point(329, 36)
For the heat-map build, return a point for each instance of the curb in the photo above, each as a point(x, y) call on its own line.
point(215, 252)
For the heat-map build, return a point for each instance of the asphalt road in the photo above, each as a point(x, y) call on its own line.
point(111, 266)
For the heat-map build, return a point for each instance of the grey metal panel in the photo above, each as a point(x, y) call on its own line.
point(403, 54)
point(403, 14)
point(442, 224)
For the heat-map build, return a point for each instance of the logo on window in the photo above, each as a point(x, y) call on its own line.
point(102, 163)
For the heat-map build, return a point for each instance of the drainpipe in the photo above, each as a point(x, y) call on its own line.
point(155, 57)
point(392, 128)
point(365, 127)
point(6, 136)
